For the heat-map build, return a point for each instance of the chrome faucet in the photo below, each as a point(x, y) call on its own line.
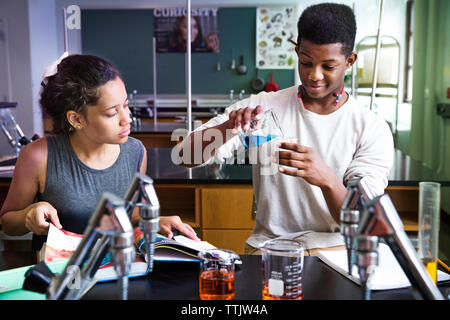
point(380, 218)
point(135, 120)
point(357, 194)
point(366, 248)
point(142, 194)
point(16, 138)
point(108, 228)
point(231, 96)
point(241, 94)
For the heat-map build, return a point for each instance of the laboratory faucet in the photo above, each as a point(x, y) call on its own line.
point(380, 218)
point(357, 194)
point(231, 96)
point(366, 258)
point(22, 140)
point(365, 218)
point(109, 228)
point(135, 120)
point(141, 193)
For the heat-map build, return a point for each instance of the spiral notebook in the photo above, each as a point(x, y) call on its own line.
point(387, 275)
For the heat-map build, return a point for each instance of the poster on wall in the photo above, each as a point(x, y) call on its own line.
point(275, 27)
point(170, 29)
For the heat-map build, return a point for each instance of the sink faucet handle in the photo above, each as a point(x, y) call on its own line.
point(366, 259)
point(122, 256)
point(241, 94)
point(349, 226)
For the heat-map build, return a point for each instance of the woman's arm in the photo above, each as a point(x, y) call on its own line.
point(20, 214)
point(166, 223)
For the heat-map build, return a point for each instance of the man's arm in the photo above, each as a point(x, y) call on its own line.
point(199, 146)
point(192, 150)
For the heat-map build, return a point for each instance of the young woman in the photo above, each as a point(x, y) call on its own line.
point(59, 179)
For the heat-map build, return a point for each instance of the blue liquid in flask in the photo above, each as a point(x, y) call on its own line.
point(255, 140)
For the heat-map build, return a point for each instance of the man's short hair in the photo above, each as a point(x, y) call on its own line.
point(328, 23)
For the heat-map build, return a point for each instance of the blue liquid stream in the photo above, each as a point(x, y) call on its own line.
point(254, 141)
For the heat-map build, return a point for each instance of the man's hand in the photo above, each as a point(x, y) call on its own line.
point(240, 120)
point(306, 164)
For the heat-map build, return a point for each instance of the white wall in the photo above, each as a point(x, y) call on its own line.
point(32, 46)
point(15, 13)
point(43, 49)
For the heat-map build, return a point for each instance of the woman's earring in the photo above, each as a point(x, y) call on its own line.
point(78, 126)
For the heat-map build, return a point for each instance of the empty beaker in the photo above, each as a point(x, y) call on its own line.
point(429, 212)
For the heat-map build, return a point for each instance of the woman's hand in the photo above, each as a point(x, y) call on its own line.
point(39, 217)
point(167, 223)
point(239, 120)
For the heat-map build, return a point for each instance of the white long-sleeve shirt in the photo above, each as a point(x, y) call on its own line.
point(353, 141)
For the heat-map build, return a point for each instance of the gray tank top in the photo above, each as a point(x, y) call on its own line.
point(74, 189)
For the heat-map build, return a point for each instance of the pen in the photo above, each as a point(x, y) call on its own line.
point(446, 267)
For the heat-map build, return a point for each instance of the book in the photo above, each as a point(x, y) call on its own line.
point(180, 248)
point(387, 275)
point(61, 244)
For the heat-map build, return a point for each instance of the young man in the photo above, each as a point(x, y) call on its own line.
point(337, 139)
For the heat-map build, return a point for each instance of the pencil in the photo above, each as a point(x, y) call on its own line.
point(446, 267)
point(293, 42)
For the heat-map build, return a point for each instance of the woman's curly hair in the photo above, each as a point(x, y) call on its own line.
point(75, 85)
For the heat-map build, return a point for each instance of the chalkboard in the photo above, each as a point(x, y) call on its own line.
point(124, 37)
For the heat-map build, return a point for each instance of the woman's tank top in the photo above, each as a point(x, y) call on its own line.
point(74, 189)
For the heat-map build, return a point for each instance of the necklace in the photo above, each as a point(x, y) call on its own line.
point(338, 96)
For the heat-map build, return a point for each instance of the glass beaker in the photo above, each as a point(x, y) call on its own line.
point(282, 266)
point(216, 280)
point(429, 212)
point(267, 129)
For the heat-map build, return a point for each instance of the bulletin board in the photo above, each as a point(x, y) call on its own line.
point(275, 26)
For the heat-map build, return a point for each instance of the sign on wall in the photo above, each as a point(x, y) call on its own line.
point(274, 28)
point(170, 29)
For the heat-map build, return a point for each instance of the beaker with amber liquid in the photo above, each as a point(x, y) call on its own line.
point(217, 279)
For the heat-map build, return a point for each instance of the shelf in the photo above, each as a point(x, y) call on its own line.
point(178, 200)
point(410, 220)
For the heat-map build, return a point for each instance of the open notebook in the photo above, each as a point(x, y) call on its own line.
point(61, 244)
point(388, 274)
